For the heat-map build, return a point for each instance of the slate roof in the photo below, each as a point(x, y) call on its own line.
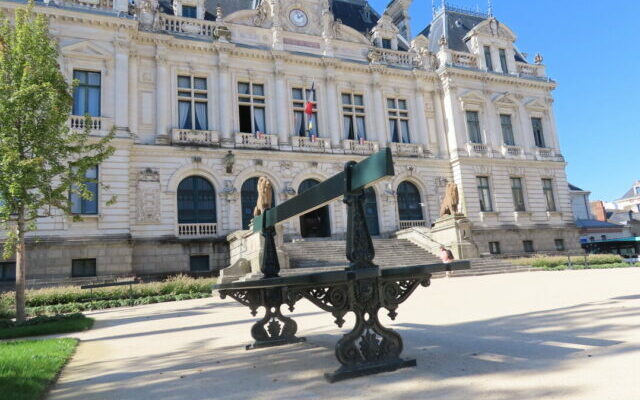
point(575, 188)
point(359, 15)
point(454, 25)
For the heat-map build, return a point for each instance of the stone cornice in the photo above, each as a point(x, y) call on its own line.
point(453, 72)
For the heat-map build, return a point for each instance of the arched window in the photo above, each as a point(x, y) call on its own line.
point(315, 223)
point(371, 211)
point(249, 199)
point(196, 201)
point(409, 202)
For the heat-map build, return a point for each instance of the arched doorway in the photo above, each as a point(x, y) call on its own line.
point(315, 223)
point(249, 198)
point(371, 211)
point(409, 202)
point(196, 201)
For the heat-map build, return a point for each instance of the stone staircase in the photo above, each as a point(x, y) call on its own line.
point(322, 255)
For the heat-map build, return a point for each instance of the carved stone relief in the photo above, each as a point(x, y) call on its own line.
point(148, 196)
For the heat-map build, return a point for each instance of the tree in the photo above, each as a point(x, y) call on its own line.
point(42, 161)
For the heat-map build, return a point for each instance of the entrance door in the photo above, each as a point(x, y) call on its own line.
point(314, 223)
point(371, 211)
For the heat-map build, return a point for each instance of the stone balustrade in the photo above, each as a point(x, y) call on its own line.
point(407, 149)
point(392, 57)
point(530, 70)
point(103, 4)
point(260, 141)
point(544, 153)
point(466, 60)
point(511, 151)
point(478, 150)
point(412, 224)
point(187, 26)
point(194, 231)
point(77, 122)
point(194, 137)
point(360, 147)
point(303, 143)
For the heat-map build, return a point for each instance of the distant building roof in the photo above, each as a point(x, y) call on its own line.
point(575, 188)
point(595, 224)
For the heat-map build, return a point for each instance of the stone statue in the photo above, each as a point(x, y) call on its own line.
point(222, 33)
point(451, 200)
point(229, 161)
point(538, 60)
point(265, 196)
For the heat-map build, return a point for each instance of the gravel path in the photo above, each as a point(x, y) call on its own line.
point(538, 335)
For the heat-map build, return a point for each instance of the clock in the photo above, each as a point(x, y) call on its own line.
point(298, 17)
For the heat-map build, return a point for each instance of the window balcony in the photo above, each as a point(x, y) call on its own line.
point(317, 145)
point(261, 141)
point(407, 150)
point(392, 57)
point(478, 150)
point(194, 138)
point(197, 231)
point(360, 147)
point(512, 151)
point(413, 224)
point(526, 70)
point(186, 26)
point(76, 122)
point(544, 153)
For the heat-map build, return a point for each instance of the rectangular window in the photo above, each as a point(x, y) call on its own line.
point(189, 12)
point(353, 114)
point(484, 191)
point(494, 247)
point(473, 125)
point(518, 195)
point(251, 108)
point(503, 61)
point(487, 58)
point(386, 43)
point(199, 263)
point(8, 271)
point(538, 134)
point(86, 206)
point(398, 120)
point(547, 187)
point(507, 130)
point(559, 244)
point(527, 245)
point(86, 96)
point(303, 125)
point(83, 267)
point(192, 103)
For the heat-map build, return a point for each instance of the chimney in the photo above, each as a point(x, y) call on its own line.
point(598, 210)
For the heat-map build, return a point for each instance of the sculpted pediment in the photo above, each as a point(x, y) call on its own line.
point(85, 49)
point(471, 97)
point(492, 28)
point(505, 100)
point(535, 104)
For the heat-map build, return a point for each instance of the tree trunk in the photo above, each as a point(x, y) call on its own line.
point(21, 270)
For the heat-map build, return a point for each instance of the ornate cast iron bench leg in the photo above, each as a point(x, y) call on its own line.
point(274, 329)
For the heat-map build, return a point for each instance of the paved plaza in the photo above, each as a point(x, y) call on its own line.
point(538, 335)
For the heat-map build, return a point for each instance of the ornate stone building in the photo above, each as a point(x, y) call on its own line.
point(208, 95)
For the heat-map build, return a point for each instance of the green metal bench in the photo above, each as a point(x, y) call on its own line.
point(362, 288)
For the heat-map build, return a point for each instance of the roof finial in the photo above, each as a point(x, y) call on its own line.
point(490, 10)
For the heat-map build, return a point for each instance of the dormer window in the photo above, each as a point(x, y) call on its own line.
point(503, 61)
point(189, 11)
point(487, 58)
point(386, 43)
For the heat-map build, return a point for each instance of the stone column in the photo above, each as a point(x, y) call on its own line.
point(332, 107)
point(133, 93)
point(380, 133)
point(213, 101)
point(281, 109)
point(494, 131)
point(121, 100)
point(162, 98)
point(225, 99)
point(552, 136)
point(422, 136)
point(525, 138)
point(441, 130)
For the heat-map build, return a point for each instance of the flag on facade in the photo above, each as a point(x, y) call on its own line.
point(308, 107)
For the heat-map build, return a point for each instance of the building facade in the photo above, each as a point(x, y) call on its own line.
point(206, 97)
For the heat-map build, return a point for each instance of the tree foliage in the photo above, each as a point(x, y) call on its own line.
point(41, 160)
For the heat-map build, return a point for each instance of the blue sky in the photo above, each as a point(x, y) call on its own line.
point(590, 49)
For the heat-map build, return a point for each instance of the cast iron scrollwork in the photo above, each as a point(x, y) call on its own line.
point(248, 298)
point(395, 292)
point(334, 299)
point(274, 329)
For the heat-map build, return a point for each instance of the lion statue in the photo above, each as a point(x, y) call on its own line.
point(449, 204)
point(265, 196)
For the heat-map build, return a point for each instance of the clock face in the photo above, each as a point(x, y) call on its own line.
point(298, 17)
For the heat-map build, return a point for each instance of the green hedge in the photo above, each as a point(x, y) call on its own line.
point(558, 261)
point(67, 299)
point(591, 266)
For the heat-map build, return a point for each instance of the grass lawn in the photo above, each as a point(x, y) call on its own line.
point(61, 324)
point(27, 368)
